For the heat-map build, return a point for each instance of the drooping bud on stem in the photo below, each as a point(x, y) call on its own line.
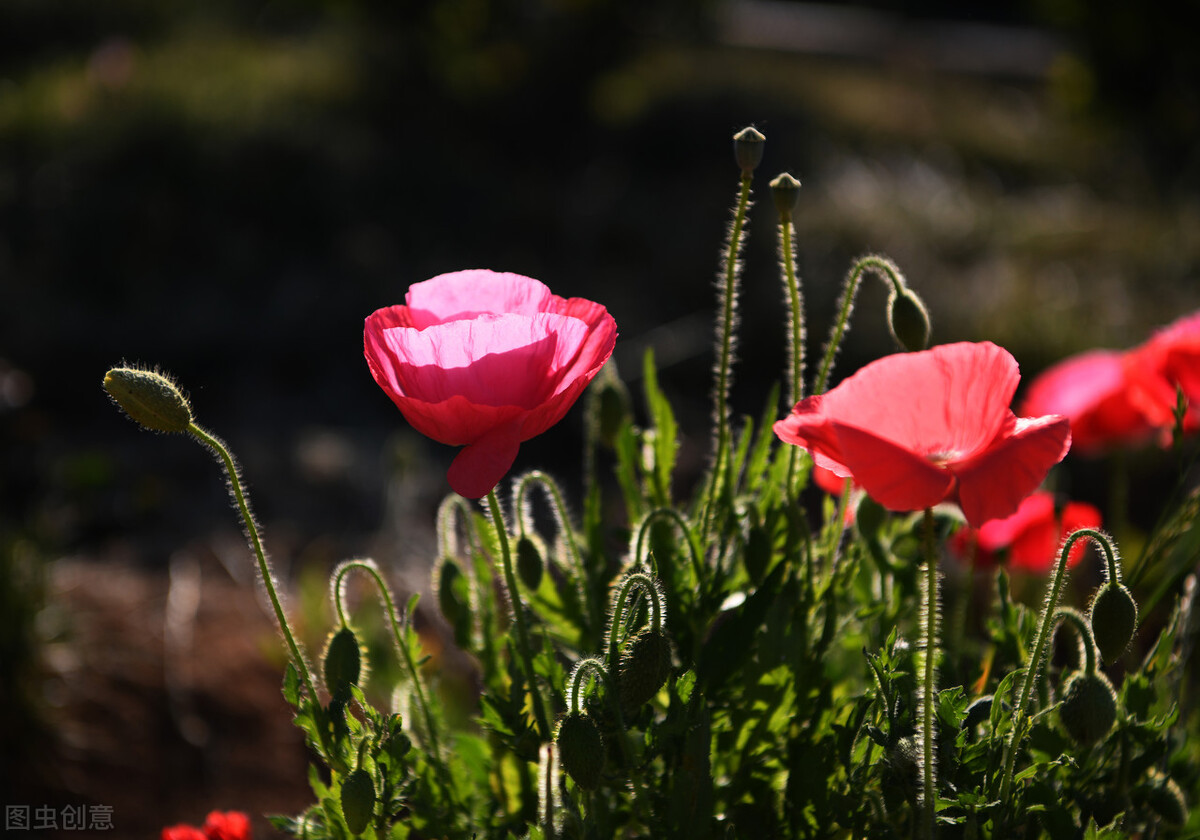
point(908, 320)
point(151, 399)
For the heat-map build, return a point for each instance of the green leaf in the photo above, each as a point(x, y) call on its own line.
point(666, 433)
point(291, 685)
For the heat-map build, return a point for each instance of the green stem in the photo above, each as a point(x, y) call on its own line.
point(674, 515)
point(887, 271)
point(372, 571)
point(1032, 670)
point(929, 687)
point(564, 527)
point(1074, 618)
point(524, 649)
point(639, 580)
point(726, 339)
point(787, 258)
point(264, 567)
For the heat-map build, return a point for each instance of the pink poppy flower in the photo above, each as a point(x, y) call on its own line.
point(1030, 539)
point(1092, 390)
point(916, 429)
point(486, 360)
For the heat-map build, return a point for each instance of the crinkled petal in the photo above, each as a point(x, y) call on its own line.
point(992, 485)
point(949, 401)
point(479, 466)
point(890, 474)
point(467, 294)
point(809, 428)
point(491, 360)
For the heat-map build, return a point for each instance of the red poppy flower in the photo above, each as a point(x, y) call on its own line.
point(916, 429)
point(1030, 539)
point(219, 825)
point(1092, 390)
point(486, 360)
point(183, 832)
point(1170, 358)
point(227, 825)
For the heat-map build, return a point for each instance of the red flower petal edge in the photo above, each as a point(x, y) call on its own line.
point(1030, 539)
point(916, 429)
point(218, 825)
point(486, 360)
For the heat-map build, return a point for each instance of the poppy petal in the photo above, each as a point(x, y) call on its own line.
point(993, 485)
point(479, 466)
point(891, 475)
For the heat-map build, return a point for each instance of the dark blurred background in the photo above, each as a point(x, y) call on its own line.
point(226, 189)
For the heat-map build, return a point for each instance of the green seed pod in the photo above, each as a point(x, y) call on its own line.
point(342, 663)
point(1089, 707)
point(908, 319)
point(530, 565)
point(785, 190)
point(1113, 617)
point(645, 666)
point(748, 148)
point(358, 800)
point(581, 749)
point(150, 399)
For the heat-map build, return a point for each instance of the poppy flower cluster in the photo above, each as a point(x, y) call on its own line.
point(1030, 539)
point(917, 429)
point(1119, 398)
point(218, 825)
point(486, 360)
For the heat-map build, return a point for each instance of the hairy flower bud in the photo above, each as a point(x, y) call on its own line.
point(748, 148)
point(150, 399)
point(1089, 707)
point(530, 565)
point(645, 666)
point(581, 749)
point(1113, 617)
point(342, 663)
point(907, 319)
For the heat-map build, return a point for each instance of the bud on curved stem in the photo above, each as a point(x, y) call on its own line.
point(649, 587)
point(337, 594)
point(151, 399)
point(910, 312)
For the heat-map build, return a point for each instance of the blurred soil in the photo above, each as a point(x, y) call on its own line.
point(164, 699)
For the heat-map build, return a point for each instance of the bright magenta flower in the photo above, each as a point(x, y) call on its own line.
point(1092, 391)
point(486, 360)
point(1030, 539)
point(916, 429)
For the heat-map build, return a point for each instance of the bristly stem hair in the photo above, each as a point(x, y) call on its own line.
point(927, 707)
point(218, 448)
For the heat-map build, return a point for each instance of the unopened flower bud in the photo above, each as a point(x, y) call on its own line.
point(645, 666)
point(748, 148)
point(1089, 707)
point(581, 749)
point(785, 190)
point(1166, 799)
point(530, 565)
point(907, 319)
point(150, 399)
point(342, 663)
point(1113, 617)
